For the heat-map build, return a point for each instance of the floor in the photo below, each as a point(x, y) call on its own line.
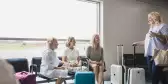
point(71, 82)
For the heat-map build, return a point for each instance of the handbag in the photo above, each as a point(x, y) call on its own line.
point(26, 77)
point(160, 56)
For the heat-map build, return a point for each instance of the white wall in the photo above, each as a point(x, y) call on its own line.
point(125, 21)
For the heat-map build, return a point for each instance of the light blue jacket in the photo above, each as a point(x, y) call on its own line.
point(154, 42)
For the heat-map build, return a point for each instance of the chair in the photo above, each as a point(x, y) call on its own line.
point(36, 62)
point(19, 64)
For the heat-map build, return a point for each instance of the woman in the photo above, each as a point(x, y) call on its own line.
point(50, 62)
point(71, 54)
point(95, 54)
point(155, 40)
point(7, 73)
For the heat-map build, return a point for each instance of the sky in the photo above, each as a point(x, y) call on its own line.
point(46, 18)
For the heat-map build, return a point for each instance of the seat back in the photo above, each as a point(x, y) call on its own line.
point(19, 64)
point(36, 61)
point(140, 60)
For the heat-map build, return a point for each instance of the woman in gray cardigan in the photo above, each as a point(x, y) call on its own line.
point(95, 54)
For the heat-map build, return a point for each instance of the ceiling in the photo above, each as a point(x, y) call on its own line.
point(156, 2)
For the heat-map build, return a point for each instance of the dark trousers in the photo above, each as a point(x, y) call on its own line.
point(156, 72)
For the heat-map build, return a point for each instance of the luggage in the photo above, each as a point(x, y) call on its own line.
point(136, 75)
point(117, 70)
point(117, 74)
point(26, 77)
point(84, 78)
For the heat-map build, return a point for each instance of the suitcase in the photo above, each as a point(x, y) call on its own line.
point(84, 78)
point(136, 75)
point(26, 77)
point(117, 74)
point(117, 70)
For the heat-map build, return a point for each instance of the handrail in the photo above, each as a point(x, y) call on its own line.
point(38, 39)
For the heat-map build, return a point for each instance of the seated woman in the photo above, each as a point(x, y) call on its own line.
point(95, 54)
point(50, 62)
point(71, 54)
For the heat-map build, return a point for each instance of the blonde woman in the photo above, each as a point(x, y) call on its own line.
point(71, 54)
point(155, 39)
point(95, 54)
point(50, 62)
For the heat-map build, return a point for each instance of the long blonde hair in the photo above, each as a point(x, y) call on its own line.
point(93, 42)
point(156, 17)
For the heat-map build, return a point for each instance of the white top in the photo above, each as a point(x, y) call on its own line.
point(49, 61)
point(71, 54)
point(7, 73)
point(152, 43)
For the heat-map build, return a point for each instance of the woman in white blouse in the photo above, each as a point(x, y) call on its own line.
point(71, 54)
point(50, 62)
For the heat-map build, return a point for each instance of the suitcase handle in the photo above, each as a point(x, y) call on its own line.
point(118, 56)
point(134, 46)
point(24, 73)
point(120, 45)
point(134, 57)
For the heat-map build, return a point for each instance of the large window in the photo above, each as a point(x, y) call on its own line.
point(45, 18)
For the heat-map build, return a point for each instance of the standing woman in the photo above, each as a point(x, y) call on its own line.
point(155, 40)
point(95, 54)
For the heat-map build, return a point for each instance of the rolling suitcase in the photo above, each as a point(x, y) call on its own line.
point(84, 78)
point(117, 74)
point(136, 75)
point(117, 70)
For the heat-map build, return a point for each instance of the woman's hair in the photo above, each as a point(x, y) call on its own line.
point(156, 17)
point(93, 41)
point(69, 40)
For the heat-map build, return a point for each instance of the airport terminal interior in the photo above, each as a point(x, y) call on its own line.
point(104, 35)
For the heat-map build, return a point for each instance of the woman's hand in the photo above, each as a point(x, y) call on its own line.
point(73, 64)
point(97, 63)
point(62, 68)
point(153, 34)
point(100, 63)
point(139, 43)
point(158, 35)
point(59, 68)
point(135, 43)
point(93, 62)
